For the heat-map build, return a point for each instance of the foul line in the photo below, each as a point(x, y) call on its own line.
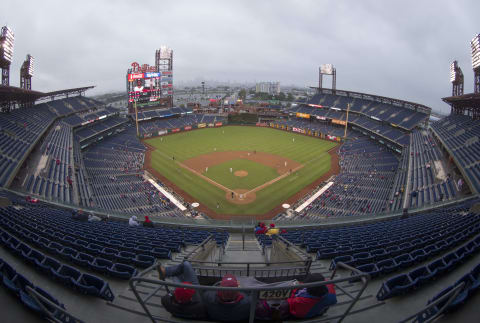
point(226, 189)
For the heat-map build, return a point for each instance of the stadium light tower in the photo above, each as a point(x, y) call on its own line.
point(475, 43)
point(7, 39)
point(456, 78)
point(327, 69)
point(26, 73)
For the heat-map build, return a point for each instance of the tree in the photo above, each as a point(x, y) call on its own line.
point(281, 96)
point(242, 94)
point(290, 97)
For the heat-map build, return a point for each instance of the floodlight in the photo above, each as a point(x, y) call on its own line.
point(475, 43)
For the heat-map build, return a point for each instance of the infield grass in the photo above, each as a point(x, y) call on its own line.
point(309, 151)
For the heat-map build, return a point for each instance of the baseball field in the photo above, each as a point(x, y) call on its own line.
point(237, 170)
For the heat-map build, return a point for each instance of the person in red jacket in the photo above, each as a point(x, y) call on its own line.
point(309, 302)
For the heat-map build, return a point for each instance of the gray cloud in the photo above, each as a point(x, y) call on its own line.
point(400, 49)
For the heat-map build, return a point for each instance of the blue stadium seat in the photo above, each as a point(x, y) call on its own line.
point(396, 285)
point(404, 260)
point(101, 265)
point(420, 275)
point(387, 266)
point(92, 285)
point(143, 261)
point(437, 267)
point(67, 275)
point(83, 259)
point(418, 255)
point(122, 271)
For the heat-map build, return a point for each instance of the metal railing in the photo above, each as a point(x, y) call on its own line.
point(252, 291)
point(60, 316)
point(426, 313)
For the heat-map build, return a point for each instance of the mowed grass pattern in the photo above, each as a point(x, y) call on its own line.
point(309, 151)
point(258, 174)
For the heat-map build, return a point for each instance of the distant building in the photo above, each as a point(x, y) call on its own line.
point(268, 87)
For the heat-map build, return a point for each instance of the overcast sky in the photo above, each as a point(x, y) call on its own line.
point(400, 49)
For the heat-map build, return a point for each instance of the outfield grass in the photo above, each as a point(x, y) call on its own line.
point(309, 151)
point(258, 174)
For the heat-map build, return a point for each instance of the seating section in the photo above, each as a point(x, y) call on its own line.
point(322, 127)
point(17, 284)
point(19, 130)
point(426, 187)
point(114, 171)
point(71, 105)
point(155, 125)
point(471, 282)
point(404, 117)
point(58, 271)
point(460, 134)
point(363, 185)
point(52, 179)
point(417, 277)
point(98, 127)
point(79, 119)
point(379, 128)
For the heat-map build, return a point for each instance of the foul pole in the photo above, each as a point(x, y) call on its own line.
point(346, 122)
point(136, 117)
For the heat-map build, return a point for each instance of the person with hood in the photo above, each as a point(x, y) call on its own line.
point(148, 222)
point(305, 303)
point(133, 221)
point(227, 306)
point(183, 302)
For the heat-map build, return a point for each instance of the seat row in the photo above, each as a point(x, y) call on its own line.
point(88, 257)
point(404, 283)
point(472, 284)
point(68, 276)
point(17, 284)
point(381, 263)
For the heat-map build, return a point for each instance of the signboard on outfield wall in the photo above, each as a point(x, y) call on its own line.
point(162, 132)
point(299, 130)
point(188, 128)
point(218, 124)
point(201, 125)
point(176, 130)
point(340, 122)
point(303, 115)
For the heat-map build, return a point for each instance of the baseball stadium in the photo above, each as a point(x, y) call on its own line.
point(175, 213)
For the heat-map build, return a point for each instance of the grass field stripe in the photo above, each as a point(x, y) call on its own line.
point(226, 189)
point(258, 188)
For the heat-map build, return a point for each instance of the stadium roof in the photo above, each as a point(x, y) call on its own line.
point(16, 94)
point(466, 100)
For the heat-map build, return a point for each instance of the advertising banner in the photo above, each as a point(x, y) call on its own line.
point(299, 130)
point(303, 115)
point(331, 137)
point(321, 118)
point(176, 130)
point(218, 124)
point(340, 122)
point(147, 135)
point(135, 76)
point(162, 132)
point(201, 125)
point(316, 106)
point(188, 128)
point(211, 125)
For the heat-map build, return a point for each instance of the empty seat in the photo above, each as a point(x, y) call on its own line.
point(143, 261)
point(122, 271)
point(420, 275)
point(395, 286)
point(387, 266)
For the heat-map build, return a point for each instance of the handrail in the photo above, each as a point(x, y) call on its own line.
point(201, 245)
point(254, 291)
point(40, 299)
point(451, 295)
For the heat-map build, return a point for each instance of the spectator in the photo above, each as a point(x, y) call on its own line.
point(227, 305)
point(313, 301)
point(272, 230)
point(148, 222)
point(133, 221)
point(183, 302)
point(93, 218)
point(79, 216)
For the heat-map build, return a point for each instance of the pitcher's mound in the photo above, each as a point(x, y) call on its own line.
point(240, 173)
point(239, 197)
